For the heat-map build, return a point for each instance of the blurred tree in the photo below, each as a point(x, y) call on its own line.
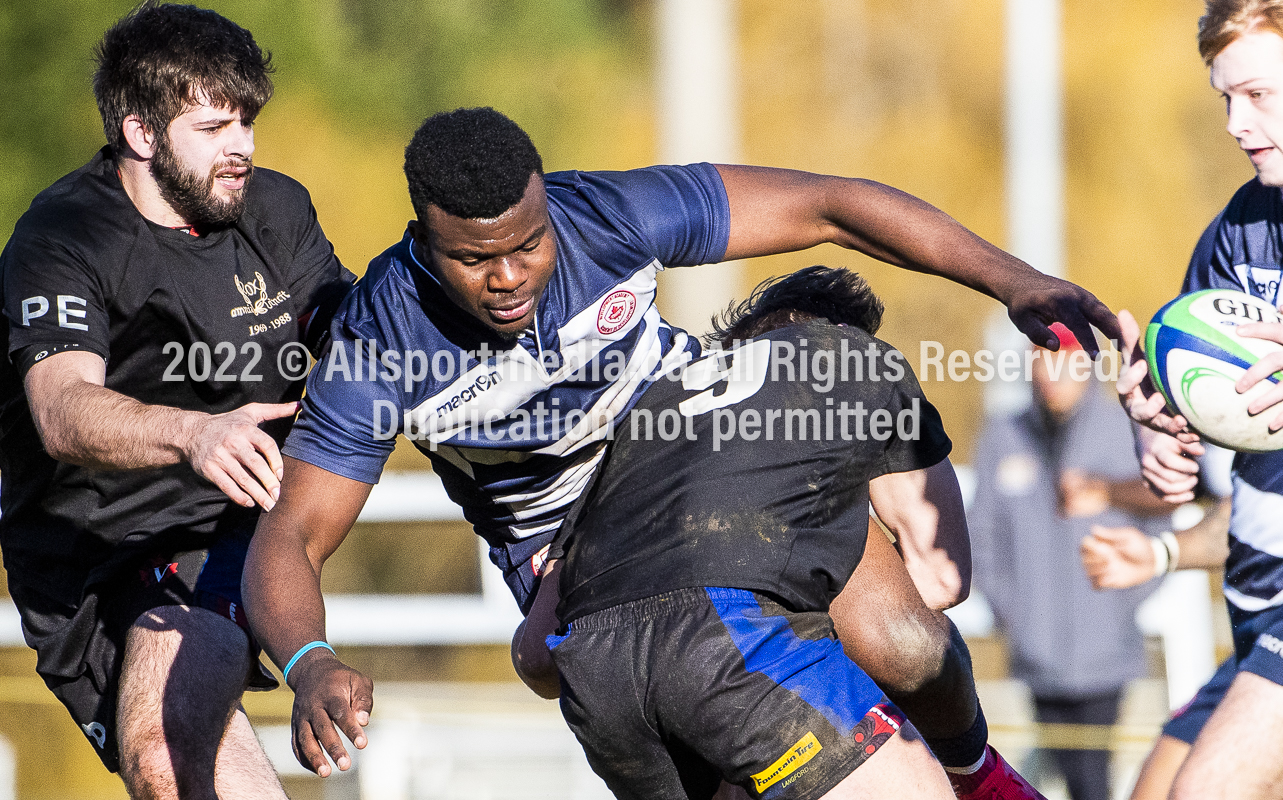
point(574, 72)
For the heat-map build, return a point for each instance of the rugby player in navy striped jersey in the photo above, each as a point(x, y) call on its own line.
point(1236, 752)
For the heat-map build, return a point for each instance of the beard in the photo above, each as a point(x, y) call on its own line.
point(192, 194)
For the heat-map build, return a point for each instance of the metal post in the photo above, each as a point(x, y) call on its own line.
point(698, 121)
point(1035, 177)
point(1035, 149)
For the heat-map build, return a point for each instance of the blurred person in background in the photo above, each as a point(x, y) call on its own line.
point(1044, 477)
point(131, 484)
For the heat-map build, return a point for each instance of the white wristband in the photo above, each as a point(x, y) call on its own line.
point(1161, 555)
point(1173, 550)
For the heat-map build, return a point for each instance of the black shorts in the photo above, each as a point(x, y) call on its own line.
point(1258, 641)
point(79, 649)
point(1188, 721)
point(674, 693)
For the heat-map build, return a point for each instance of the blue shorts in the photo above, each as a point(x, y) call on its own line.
point(1188, 721)
point(672, 694)
point(1258, 642)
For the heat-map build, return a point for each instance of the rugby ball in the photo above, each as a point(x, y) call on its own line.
point(1195, 358)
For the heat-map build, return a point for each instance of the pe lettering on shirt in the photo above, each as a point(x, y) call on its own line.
point(37, 306)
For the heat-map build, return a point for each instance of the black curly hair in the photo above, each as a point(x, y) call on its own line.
point(160, 58)
point(473, 163)
point(838, 295)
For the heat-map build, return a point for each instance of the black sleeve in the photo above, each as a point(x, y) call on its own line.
point(919, 442)
point(53, 300)
point(316, 277)
point(321, 280)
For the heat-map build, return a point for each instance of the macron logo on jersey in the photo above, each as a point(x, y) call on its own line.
point(471, 391)
point(1260, 281)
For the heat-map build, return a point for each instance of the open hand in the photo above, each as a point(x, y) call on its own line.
point(230, 451)
point(1036, 303)
point(1144, 403)
point(1270, 364)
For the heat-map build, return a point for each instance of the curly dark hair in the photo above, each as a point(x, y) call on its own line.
point(473, 163)
point(161, 58)
point(838, 295)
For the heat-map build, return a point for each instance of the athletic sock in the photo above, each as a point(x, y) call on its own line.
point(971, 770)
point(965, 753)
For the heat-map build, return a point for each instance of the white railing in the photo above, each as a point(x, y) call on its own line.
point(1180, 612)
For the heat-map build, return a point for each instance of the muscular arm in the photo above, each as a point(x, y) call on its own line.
point(923, 508)
point(82, 422)
point(779, 211)
point(281, 586)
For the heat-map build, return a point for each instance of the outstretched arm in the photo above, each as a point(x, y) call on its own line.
point(923, 508)
point(82, 422)
point(782, 211)
point(281, 586)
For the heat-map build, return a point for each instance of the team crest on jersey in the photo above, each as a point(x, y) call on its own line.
point(615, 311)
point(254, 293)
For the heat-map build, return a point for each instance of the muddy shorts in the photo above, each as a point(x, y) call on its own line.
point(671, 694)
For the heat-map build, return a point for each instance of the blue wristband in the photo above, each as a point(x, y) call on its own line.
point(299, 654)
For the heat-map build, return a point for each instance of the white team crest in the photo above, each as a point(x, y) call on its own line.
point(615, 311)
point(254, 293)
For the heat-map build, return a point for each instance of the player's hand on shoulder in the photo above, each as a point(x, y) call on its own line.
point(1035, 302)
point(1169, 467)
point(1267, 366)
point(232, 452)
point(329, 697)
point(1142, 401)
point(1117, 558)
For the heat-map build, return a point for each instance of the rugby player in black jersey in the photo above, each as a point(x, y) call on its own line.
point(778, 528)
point(148, 297)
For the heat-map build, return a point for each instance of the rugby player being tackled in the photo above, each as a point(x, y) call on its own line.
point(696, 644)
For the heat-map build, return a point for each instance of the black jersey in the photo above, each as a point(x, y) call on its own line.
point(750, 470)
point(202, 323)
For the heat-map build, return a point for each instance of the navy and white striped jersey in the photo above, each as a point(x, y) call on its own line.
point(1241, 250)
point(516, 428)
